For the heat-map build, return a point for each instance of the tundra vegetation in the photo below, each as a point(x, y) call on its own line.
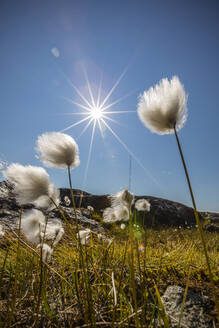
point(55, 274)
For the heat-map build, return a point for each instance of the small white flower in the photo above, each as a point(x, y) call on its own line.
point(122, 226)
point(84, 236)
point(33, 225)
point(67, 201)
point(90, 208)
point(58, 150)
point(46, 252)
point(164, 106)
point(100, 236)
point(31, 185)
point(142, 205)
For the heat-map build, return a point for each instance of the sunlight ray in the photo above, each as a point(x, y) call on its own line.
point(132, 155)
point(110, 119)
point(77, 104)
point(81, 113)
point(117, 101)
point(89, 154)
point(114, 87)
point(89, 88)
point(85, 128)
point(77, 123)
point(99, 91)
point(120, 112)
point(78, 113)
point(101, 129)
point(76, 89)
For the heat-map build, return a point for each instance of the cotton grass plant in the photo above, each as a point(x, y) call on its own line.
point(92, 279)
point(32, 185)
point(59, 150)
point(142, 205)
point(120, 209)
point(163, 110)
point(33, 226)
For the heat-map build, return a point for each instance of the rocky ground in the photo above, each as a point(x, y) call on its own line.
point(163, 212)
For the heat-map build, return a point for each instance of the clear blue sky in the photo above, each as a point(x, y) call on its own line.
point(152, 39)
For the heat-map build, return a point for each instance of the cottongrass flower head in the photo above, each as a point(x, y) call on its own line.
point(2, 233)
point(121, 213)
point(31, 185)
point(123, 226)
point(124, 197)
point(33, 225)
point(90, 208)
point(163, 107)
point(84, 236)
point(142, 205)
point(109, 215)
point(58, 150)
point(116, 214)
point(67, 201)
point(54, 231)
point(46, 252)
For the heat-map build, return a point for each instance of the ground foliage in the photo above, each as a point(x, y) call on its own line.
point(114, 281)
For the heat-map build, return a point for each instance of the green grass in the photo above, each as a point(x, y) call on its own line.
point(118, 285)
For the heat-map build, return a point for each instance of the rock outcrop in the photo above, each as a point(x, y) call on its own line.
point(163, 212)
point(193, 316)
point(9, 211)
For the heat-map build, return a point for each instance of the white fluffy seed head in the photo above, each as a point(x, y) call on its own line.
point(58, 150)
point(116, 213)
point(67, 201)
point(164, 106)
point(124, 197)
point(31, 184)
point(123, 226)
point(90, 208)
point(121, 213)
point(46, 252)
point(54, 232)
point(33, 225)
point(142, 205)
point(109, 215)
point(84, 236)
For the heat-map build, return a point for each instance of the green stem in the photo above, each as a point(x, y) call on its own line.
point(72, 197)
point(41, 272)
point(84, 273)
point(16, 272)
point(198, 222)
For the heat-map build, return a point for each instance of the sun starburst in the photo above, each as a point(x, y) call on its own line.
point(98, 112)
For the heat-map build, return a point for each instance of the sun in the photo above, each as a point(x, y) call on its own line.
point(96, 113)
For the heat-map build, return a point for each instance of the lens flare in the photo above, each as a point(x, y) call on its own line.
point(97, 113)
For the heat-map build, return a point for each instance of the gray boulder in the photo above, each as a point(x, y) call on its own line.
point(194, 309)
